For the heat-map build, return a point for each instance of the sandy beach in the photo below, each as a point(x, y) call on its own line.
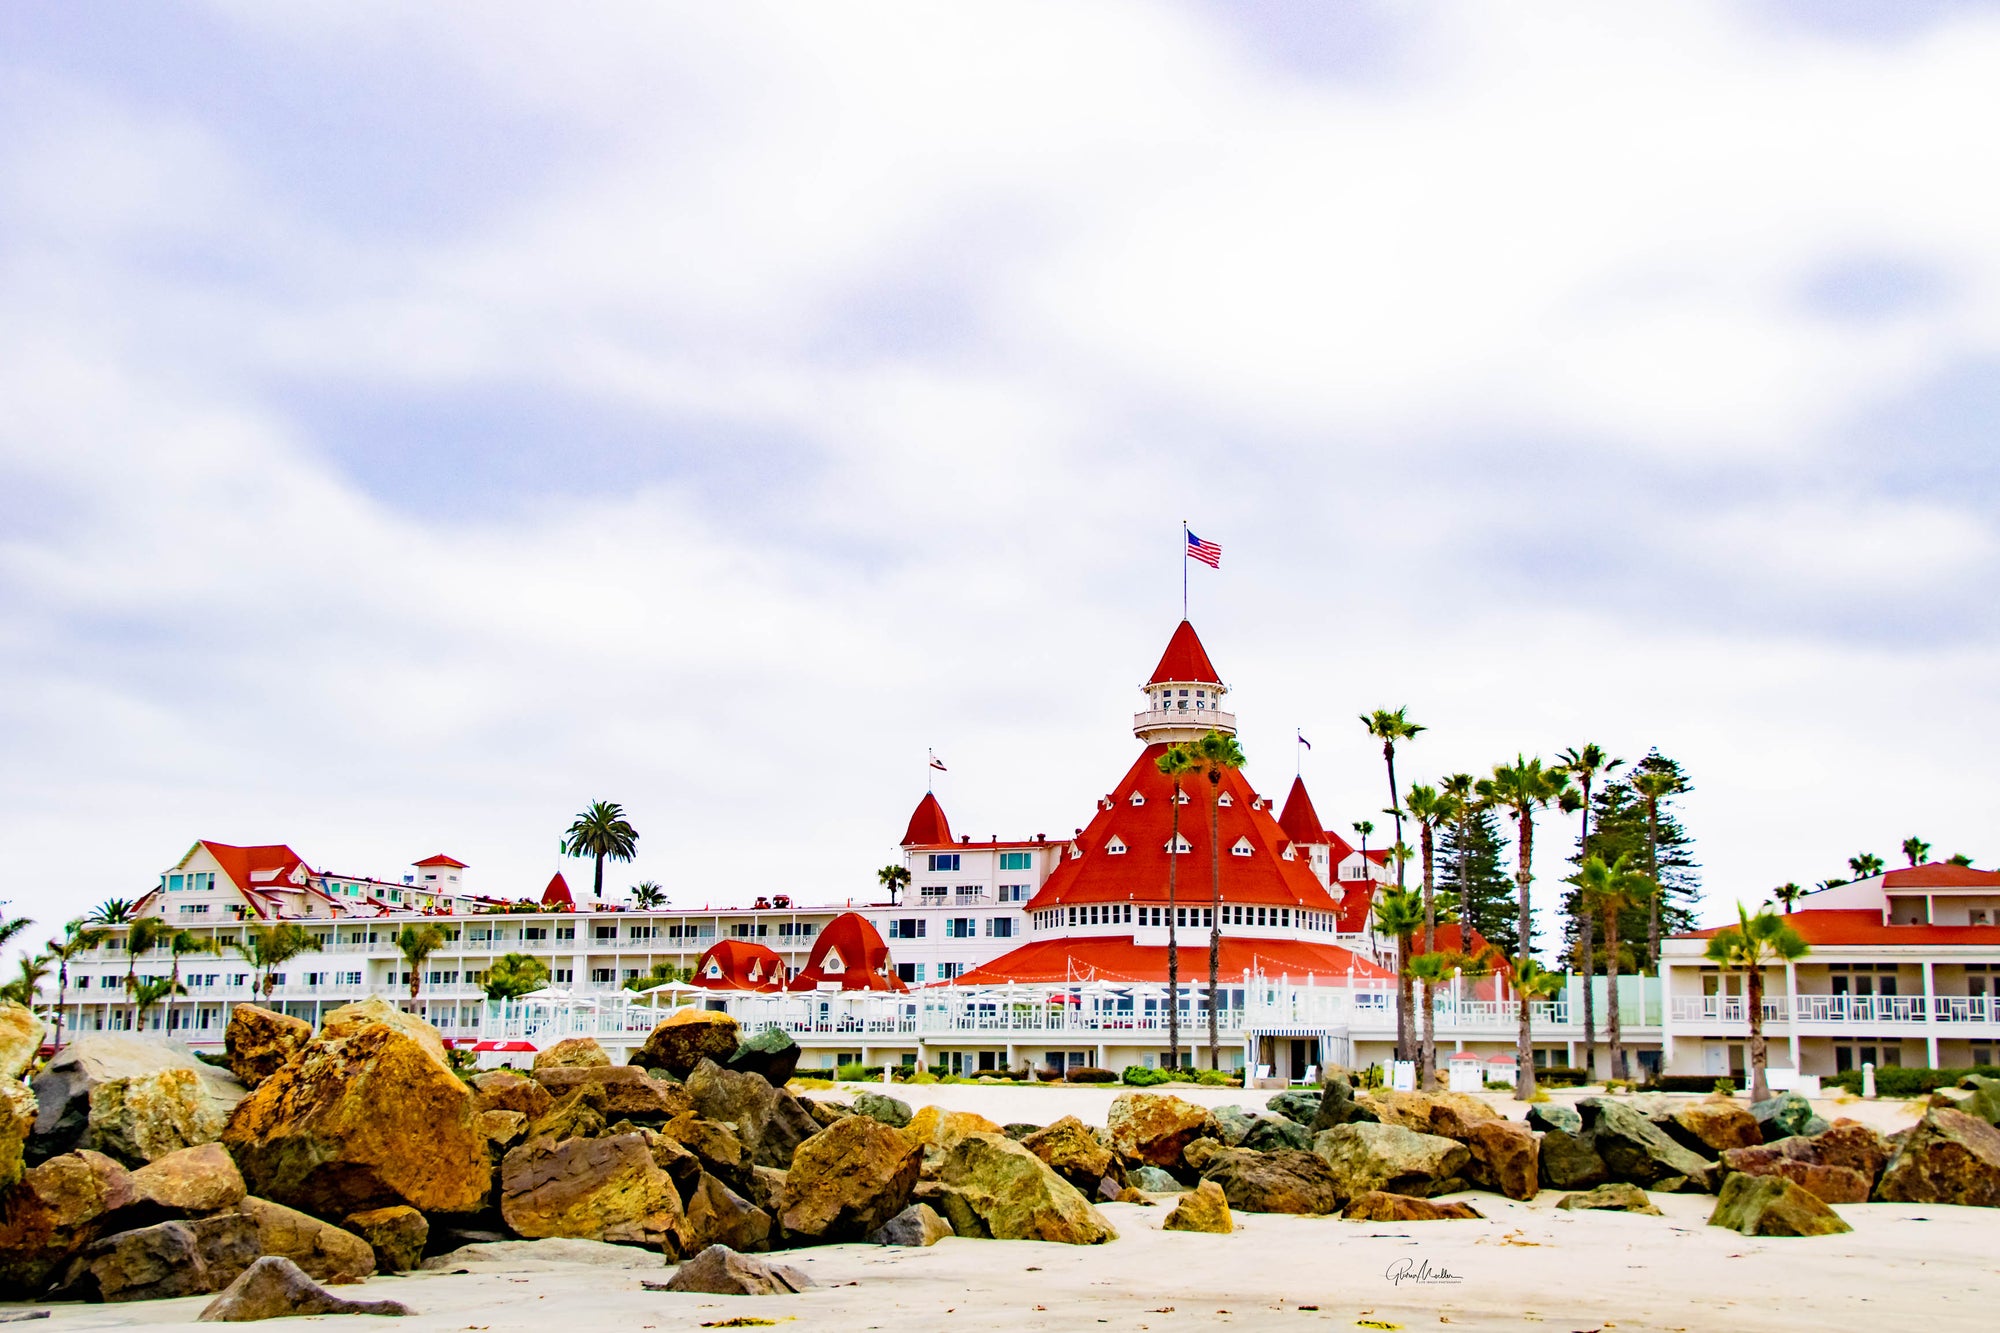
point(1525, 1265)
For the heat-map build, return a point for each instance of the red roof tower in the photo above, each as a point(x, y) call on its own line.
point(928, 826)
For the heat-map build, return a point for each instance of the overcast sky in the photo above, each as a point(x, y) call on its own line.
point(416, 422)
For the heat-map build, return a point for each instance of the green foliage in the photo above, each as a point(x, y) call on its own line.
point(662, 974)
point(1559, 1076)
point(1472, 855)
point(1618, 828)
point(1756, 941)
point(894, 880)
point(1690, 1083)
point(647, 895)
point(266, 947)
point(1895, 1081)
point(1138, 1076)
point(111, 912)
point(601, 833)
point(1089, 1074)
point(851, 1073)
point(514, 975)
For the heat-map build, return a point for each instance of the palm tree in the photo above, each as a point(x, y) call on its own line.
point(1959, 859)
point(1610, 889)
point(10, 927)
point(660, 974)
point(1865, 865)
point(1788, 894)
point(601, 833)
point(416, 943)
point(1218, 754)
point(1916, 849)
point(1364, 828)
point(141, 935)
point(1654, 785)
point(149, 993)
point(1400, 915)
point(110, 912)
point(896, 879)
point(1462, 790)
point(1524, 787)
point(266, 947)
point(1530, 982)
point(1430, 970)
point(34, 971)
point(77, 939)
point(1750, 946)
point(1584, 762)
point(647, 895)
point(1176, 762)
point(1389, 728)
point(514, 975)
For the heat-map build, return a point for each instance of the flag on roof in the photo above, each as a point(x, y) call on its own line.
point(935, 763)
point(1207, 552)
point(1303, 741)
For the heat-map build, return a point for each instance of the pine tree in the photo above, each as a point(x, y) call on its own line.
point(1488, 870)
point(1618, 827)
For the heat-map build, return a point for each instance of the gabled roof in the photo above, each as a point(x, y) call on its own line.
point(1088, 959)
point(1185, 660)
point(441, 860)
point(737, 960)
point(1941, 875)
point(557, 894)
point(928, 826)
point(864, 958)
point(1833, 927)
point(1300, 821)
point(1139, 874)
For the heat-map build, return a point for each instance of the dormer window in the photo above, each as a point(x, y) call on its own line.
point(832, 962)
point(1290, 854)
point(1224, 799)
point(1179, 846)
point(1116, 847)
point(1138, 798)
point(1242, 848)
point(1184, 799)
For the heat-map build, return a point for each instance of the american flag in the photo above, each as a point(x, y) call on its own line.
point(1207, 552)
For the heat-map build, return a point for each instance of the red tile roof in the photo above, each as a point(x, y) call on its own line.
point(1300, 821)
point(1941, 875)
point(1836, 926)
point(1185, 660)
point(864, 958)
point(1114, 959)
point(928, 826)
point(1139, 873)
point(441, 860)
point(744, 964)
point(557, 894)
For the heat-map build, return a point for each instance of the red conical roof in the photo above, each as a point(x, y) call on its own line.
point(864, 958)
point(1185, 659)
point(1300, 820)
point(557, 894)
point(928, 826)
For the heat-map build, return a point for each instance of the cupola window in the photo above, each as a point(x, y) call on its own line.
point(1242, 847)
point(1116, 847)
point(1179, 846)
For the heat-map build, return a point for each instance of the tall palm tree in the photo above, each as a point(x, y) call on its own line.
point(1399, 914)
point(149, 993)
point(1865, 864)
point(142, 934)
point(1959, 859)
point(110, 912)
point(1176, 762)
point(1524, 787)
point(1583, 763)
point(1218, 754)
point(648, 895)
point(1609, 888)
point(896, 879)
point(12, 926)
point(1530, 981)
point(1463, 790)
point(1749, 946)
point(267, 947)
point(515, 974)
point(34, 971)
point(1364, 828)
point(77, 939)
point(417, 943)
point(1431, 808)
point(1654, 785)
point(601, 833)
point(1916, 849)
point(1789, 894)
point(1433, 970)
point(1390, 727)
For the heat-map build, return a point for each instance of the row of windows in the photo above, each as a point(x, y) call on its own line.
point(1112, 914)
point(949, 862)
point(955, 927)
point(191, 883)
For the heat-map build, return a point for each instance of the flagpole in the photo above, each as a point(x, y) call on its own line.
point(1184, 581)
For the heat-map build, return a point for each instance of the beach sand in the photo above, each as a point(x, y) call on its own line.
point(1526, 1265)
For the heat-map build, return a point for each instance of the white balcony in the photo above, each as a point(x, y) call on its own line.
point(1197, 719)
point(1842, 1010)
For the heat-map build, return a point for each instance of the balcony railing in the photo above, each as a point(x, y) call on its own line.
point(1184, 717)
point(1844, 1009)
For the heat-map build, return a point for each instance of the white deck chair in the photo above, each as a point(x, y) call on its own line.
point(1309, 1079)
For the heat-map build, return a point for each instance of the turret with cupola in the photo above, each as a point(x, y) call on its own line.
point(1184, 696)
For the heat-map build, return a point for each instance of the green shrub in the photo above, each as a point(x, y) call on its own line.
point(1138, 1076)
point(858, 1073)
point(1216, 1078)
point(1894, 1081)
point(1562, 1076)
point(1726, 1087)
point(1685, 1083)
point(1089, 1074)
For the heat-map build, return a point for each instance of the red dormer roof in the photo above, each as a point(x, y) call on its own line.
point(441, 860)
point(557, 894)
point(1941, 875)
point(928, 826)
point(1185, 660)
point(1300, 821)
point(1838, 927)
point(742, 965)
point(864, 958)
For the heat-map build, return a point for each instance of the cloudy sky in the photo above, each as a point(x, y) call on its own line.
point(416, 422)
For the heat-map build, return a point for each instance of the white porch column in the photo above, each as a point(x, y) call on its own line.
point(1930, 1015)
point(1792, 1010)
point(1666, 1018)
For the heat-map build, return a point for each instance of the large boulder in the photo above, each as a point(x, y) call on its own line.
point(718, 1215)
point(1784, 1115)
point(1617, 1197)
point(128, 1097)
point(849, 1179)
point(630, 1093)
point(1771, 1206)
point(164, 1260)
point(1847, 1143)
point(712, 1144)
point(1948, 1157)
point(1984, 1101)
point(572, 1053)
point(203, 1179)
point(1337, 1105)
point(259, 1042)
point(606, 1189)
point(276, 1288)
point(1299, 1105)
point(368, 1115)
point(1072, 1152)
point(937, 1129)
point(1152, 1180)
point(1368, 1157)
point(1712, 1126)
point(1634, 1149)
point(54, 1211)
point(1568, 1162)
point(580, 1115)
point(327, 1252)
point(1506, 1157)
point(771, 1121)
point(17, 1122)
point(771, 1053)
point(1840, 1166)
point(1232, 1123)
point(1453, 1114)
point(376, 1011)
point(721, 1271)
point(1015, 1196)
point(1383, 1206)
point(1273, 1133)
point(1555, 1116)
point(1411, 1110)
point(1153, 1129)
point(919, 1225)
point(397, 1236)
point(1204, 1208)
point(21, 1034)
point(1282, 1181)
point(685, 1039)
point(881, 1106)
point(505, 1090)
